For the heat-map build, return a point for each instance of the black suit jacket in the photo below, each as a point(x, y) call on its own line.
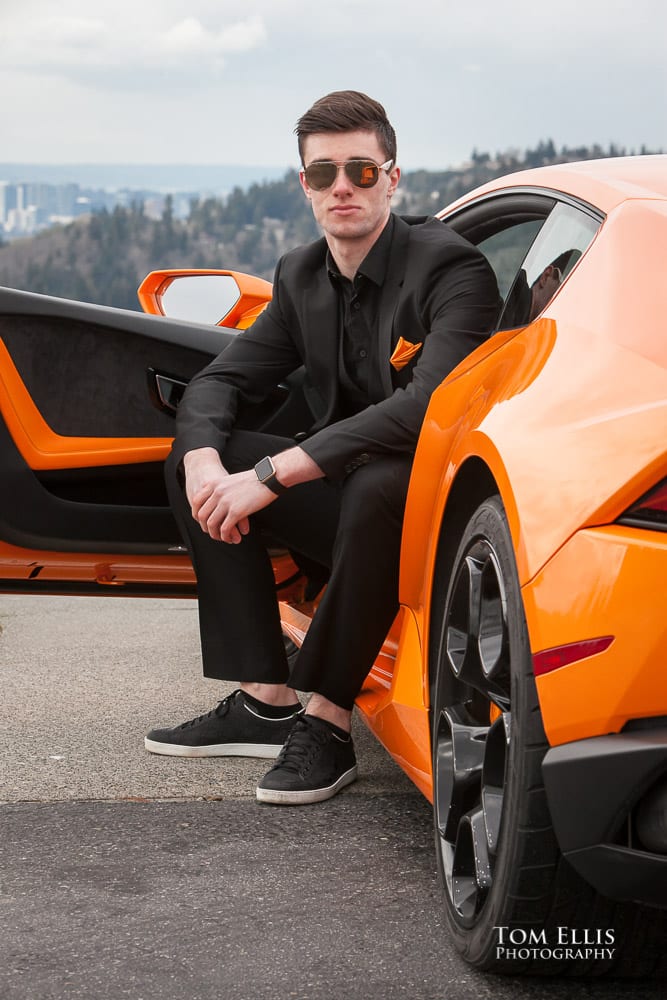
point(439, 293)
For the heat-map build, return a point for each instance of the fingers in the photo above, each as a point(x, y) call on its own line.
point(208, 509)
point(217, 517)
point(230, 531)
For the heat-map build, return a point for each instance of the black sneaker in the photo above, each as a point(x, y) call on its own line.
point(235, 728)
point(315, 763)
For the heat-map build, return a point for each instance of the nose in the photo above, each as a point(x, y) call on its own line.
point(342, 184)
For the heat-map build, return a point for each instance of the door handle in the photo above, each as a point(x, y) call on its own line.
point(165, 390)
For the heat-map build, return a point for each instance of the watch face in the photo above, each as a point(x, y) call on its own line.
point(264, 469)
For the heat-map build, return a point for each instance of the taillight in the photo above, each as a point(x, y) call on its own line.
point(650, 511)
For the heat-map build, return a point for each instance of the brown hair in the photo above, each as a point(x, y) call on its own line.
point(347, 111)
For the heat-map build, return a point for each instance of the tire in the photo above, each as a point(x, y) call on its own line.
point(291, 650)
point(512, 904)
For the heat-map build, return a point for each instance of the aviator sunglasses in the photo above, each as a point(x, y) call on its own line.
point(363, 173)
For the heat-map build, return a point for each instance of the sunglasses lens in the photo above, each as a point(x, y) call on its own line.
point(320, 175)
point(362, 173)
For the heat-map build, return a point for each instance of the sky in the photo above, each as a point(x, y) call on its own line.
point(223, 82)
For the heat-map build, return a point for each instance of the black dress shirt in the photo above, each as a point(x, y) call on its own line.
point(359, 305)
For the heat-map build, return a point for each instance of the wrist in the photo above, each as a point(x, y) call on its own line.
point(200, 456)
point(294, 466)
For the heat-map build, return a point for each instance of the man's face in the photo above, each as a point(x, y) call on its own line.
point(346, 212)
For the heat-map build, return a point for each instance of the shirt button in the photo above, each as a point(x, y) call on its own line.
point(356, 305)
point(362, 354)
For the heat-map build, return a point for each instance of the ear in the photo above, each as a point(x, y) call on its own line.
point(394, 178)
point(302, 181)
point(544, 276)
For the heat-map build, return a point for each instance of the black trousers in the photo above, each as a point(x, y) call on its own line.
point(353, 528)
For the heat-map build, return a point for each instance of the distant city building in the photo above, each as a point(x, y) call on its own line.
point(28, 207)
point(7, 200)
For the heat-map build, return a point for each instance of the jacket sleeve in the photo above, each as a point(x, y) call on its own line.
point(458, 306)
point(246, 371)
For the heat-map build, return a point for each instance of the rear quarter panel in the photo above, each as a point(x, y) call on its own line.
point(569, 416)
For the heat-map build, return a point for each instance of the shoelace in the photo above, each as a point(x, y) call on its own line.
point(220, 709)
point(301, 746)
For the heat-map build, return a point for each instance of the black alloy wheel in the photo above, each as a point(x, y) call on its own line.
point(473, 715)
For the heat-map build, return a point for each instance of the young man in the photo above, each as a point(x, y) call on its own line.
point(378, 312)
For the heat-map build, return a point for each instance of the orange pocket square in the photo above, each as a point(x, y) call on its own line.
point(403, 352)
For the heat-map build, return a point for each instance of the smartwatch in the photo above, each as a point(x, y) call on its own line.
point(266, 474)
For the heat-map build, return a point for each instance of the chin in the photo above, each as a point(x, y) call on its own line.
point(349, 228)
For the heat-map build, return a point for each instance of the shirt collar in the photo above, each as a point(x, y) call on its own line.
point(375, 263)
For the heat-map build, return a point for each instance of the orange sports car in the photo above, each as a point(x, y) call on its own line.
point(523, 686)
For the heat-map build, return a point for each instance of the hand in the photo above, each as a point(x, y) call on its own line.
point(221, 503)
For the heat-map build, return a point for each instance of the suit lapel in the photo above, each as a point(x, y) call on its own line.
point(389, 301)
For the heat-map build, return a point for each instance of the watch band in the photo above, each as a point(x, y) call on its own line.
point(266, 474)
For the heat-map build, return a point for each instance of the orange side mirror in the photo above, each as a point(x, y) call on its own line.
point(223, 298)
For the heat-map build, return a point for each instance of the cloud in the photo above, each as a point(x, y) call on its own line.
point(105, 52)
point(191, 37)
point(69, 32)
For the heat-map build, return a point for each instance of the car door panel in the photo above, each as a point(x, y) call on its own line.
point(84, 366)
point(83, 438)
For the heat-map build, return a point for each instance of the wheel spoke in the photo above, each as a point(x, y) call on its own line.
point(492, 636)
point(463, 623)
point(458, 761)
point(493, 778)
point(471, 867)
point(476, 641)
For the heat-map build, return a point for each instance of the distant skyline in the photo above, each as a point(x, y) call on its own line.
point(164, 177)
point(203, 83)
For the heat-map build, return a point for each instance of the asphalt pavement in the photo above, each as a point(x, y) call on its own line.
point(124, 874)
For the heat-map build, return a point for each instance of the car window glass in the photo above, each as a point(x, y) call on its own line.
point(504, 227)
point(506, 250)
point(564, 237)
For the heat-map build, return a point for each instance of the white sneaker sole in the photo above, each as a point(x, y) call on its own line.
point(280, 797)
point(269, 751)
